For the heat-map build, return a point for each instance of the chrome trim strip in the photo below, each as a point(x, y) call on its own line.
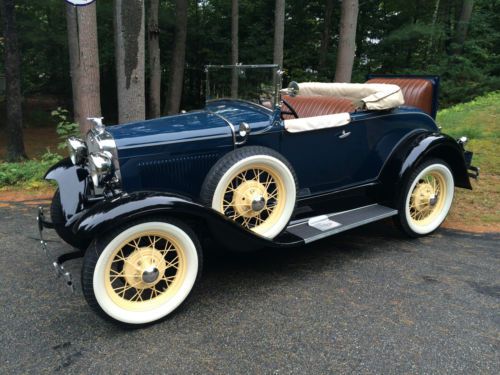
point(233, 129)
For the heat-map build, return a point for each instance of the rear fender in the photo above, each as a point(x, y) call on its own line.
point(414, 151)
point(73, 184)
point(112, 213)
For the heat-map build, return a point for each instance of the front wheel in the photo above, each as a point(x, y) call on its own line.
point(426, 198)
point(143, 272)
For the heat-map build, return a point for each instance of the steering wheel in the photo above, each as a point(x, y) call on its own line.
point(291, 110)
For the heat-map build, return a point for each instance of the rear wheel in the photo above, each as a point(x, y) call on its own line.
point(59, 221)
point(142, 272)
point(426, 198)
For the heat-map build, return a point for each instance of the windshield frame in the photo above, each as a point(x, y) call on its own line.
point(277, 84)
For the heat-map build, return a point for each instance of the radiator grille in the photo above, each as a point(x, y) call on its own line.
point(184, 174)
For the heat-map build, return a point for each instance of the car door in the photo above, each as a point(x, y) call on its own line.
point(326, 159)
point(340, 157)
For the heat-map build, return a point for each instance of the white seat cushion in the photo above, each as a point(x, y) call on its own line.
point(315, 123)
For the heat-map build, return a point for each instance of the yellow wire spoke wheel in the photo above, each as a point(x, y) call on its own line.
point(254, 198)
point(429, 198)
point(253, 186)
point(145, 270)
point(143, 273)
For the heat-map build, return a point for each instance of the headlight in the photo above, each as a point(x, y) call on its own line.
point(77, 150)
point(101, 167)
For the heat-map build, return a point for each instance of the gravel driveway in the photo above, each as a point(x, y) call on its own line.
point(366, 301)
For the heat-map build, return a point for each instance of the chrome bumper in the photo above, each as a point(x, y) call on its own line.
point(59, 269)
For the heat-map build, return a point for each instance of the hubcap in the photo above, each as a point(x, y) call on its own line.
point(150, 275)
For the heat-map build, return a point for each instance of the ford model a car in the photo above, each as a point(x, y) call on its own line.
point(259, 167)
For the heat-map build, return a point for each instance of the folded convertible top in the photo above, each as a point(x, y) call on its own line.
point(365, 95)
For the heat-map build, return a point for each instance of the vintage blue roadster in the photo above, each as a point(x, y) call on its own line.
point(259, 167)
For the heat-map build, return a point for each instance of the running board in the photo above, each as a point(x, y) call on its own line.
point(318, 227)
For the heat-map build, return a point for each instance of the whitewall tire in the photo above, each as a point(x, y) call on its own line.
point(427, 198)
point(143, 272)
point(254, 186)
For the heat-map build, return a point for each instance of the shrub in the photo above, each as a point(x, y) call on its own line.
point(28, 173)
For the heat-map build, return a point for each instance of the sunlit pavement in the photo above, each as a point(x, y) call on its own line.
point(367, 301)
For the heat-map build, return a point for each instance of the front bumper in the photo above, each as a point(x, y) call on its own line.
point(57, 264)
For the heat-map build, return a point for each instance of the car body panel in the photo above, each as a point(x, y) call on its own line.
point(353, 160)
point(171, 153)
point(73, 186)
point(112, 213)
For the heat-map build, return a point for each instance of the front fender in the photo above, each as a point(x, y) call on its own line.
point(112, 213)
point(413, 151)
point(73, 184)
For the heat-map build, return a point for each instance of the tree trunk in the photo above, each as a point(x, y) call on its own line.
point(15, 144)
point(234, 47)
point(129, 51)
point(154, 59)
point(463, 26)
point(347, 40)
point(176, 81)
point(84, 63)
point(434, 21)
point(279, 32)
point(325, 40)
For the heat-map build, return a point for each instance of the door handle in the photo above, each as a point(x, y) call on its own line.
point(344, 134)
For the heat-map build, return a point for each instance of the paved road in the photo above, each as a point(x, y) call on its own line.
point(367, 301)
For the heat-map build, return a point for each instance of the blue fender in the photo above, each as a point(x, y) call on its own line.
point(73, 185)
point(115, 212)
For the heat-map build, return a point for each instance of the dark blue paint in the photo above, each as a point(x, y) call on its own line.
point(175, 153)
point(171, 153)
point(166, 159)
point(350, 161)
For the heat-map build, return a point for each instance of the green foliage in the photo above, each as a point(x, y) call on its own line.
point(65, 128)
point(477, 120)
point(29, 173)
point(393, 37)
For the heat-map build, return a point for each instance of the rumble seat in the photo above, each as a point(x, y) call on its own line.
point(418, 92)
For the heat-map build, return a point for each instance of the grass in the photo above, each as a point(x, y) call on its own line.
point(479, 120)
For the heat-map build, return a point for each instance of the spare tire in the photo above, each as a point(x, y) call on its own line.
point(254, 186)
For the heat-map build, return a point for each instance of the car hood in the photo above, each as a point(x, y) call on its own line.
point(171, 129)
point(213, 122)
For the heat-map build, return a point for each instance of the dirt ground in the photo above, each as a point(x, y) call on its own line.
point(36, 141)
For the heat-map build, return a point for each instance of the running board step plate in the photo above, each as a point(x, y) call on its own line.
point(318, 227)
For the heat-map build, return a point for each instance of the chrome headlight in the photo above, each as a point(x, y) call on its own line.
point(101, 145)
point(77, 150)
point(101, 167)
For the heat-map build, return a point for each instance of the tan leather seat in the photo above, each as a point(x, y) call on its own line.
point(311, 106)
point(418, 92)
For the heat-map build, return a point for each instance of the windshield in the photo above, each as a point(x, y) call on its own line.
point(254, 83)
